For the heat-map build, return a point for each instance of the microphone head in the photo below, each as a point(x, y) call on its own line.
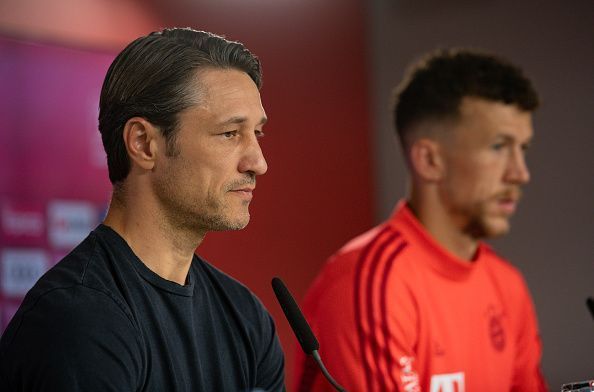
point(300, 327)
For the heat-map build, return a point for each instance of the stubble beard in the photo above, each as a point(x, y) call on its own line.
point(185, 211)
point(482, 224)
point(480, 228)
point(180, 212)
point(216, 217)
point(201, 216)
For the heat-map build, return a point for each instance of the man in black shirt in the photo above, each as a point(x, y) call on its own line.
point(132, 308)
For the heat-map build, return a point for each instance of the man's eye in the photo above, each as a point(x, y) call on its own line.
point(259, 133)
point(229, 134)
point(498, 146)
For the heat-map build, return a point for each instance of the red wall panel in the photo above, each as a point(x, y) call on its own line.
point(316, 194)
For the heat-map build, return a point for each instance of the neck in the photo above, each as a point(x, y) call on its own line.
point(442, 227)
point(163, 248)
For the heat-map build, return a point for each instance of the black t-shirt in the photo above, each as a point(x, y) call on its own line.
point(100, 320)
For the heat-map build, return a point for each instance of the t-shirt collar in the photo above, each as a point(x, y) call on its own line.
point(440, 258)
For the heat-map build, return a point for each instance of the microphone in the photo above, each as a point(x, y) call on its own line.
point(301, 328)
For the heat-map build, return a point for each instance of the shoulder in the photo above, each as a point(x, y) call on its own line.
point(67, 332)
point(343, 264)
point(83, 273)
point(68, 312)
point(375, 261)
point(64, 305)
point(369, 256)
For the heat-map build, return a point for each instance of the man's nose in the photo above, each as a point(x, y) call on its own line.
point(517, 170)
point(253, 159)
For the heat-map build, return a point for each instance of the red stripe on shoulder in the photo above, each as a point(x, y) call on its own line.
point(388, 357)
point(369, 261)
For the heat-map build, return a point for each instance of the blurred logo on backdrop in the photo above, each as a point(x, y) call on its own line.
point(53, 191)
point(69, 222)
point(20, 269)
point(22, 223)
point(34, 236)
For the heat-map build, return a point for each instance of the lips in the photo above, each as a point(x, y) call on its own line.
point(246, 189)
point(508, 206)
point(243, 192)
point(508, 202)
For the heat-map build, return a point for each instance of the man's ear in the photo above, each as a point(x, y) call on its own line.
point(140, 138)
point(426, 159)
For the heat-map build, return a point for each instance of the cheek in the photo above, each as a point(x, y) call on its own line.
point(471, 181)
point(194, 179)
point(213, 176)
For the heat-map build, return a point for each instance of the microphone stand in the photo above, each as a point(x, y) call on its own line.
point(316, 357)
point(301, 328)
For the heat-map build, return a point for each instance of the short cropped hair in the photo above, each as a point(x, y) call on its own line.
point(151, 78)
point(434, 87)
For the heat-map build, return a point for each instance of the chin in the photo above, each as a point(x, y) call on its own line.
point(497, 229)
point(225, 221)
point(238, 222)
point(239, 225)
point(487, 227)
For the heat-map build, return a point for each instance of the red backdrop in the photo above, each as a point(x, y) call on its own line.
point(316, 194)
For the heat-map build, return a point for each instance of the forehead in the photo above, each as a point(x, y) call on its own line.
point(483, 118)
point(222, 92)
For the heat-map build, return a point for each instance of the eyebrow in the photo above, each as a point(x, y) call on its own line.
point(242, 119)
point(511, 138)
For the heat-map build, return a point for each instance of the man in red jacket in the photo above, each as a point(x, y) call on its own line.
point(420, 303)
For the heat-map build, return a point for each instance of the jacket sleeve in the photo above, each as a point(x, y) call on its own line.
point(365, 344)
point(72, 339)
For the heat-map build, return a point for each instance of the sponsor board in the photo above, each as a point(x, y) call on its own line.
point(20, 268)
point(69, 222)
point(22, 223)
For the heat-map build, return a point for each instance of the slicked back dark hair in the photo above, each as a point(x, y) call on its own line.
point(152, 78)
point(434, 87)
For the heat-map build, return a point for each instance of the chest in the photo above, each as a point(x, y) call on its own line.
point(466, 335)
point(193, 343)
